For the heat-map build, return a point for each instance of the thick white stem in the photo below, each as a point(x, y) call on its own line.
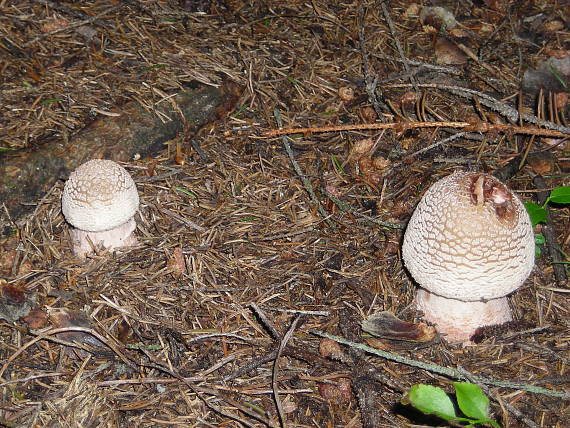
point(121, 236)
point(458, 320)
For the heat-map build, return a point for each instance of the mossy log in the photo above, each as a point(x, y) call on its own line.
point(26, 176)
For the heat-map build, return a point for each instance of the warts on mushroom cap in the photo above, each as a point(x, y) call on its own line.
point(99, 200)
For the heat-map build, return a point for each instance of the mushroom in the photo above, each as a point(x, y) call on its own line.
point(468, 244)
point(99, 200)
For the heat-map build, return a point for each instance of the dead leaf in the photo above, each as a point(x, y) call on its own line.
point(336, 394)
point(447, 52)
point(541, 162)
point(14, 302)
point(177, 262)
point(386, 325)
point(61, 318)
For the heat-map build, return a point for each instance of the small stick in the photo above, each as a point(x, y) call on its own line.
point(402, 126)
point(552, 246)
point(392, 28)
point(275, 372)
point(304, 179)
point(71, 26)
point(371, 82)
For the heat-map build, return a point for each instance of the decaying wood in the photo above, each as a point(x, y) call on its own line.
point(27, 176)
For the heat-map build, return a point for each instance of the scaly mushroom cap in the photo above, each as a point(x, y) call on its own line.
point(470, 238)
point(99, 195)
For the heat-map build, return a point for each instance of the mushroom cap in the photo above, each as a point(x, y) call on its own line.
point(99, 195)
point(470, 238)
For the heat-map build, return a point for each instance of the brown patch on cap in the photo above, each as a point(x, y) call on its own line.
point(488, 191)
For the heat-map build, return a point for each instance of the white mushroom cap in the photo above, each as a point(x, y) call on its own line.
point(100, 199)
point(470, 238)
point(99, 195)
point(469, 241)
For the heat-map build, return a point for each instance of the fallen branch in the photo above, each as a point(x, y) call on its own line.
point(446, 371)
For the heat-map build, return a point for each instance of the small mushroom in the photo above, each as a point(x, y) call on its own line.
point(100, 200)
point(468, 244)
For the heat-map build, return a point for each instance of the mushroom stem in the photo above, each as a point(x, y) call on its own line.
point(85, 242)
point(457, 319)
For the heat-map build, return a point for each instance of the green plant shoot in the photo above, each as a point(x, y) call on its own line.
point(471, 400)
point(538, 213)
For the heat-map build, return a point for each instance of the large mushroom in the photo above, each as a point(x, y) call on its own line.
point(100, 200)
point(468, 244)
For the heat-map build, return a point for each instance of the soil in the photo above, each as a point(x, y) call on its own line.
point(252, 246)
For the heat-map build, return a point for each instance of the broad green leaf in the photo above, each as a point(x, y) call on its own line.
point(431, 400)
point(539, 239)
point(536, 213)
point(472, 400)
point(560, 195)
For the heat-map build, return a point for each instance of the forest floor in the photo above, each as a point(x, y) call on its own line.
point(251, 246)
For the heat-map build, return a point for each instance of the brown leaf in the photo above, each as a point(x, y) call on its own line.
point(61, 318)
point(37, 318)
point(336, 394)
point(14, 303)
point(177, 262)
point(447, 52)
point(386, 325)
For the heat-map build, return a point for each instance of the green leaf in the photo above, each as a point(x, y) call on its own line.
point(472, 400)
point(337, 165)
point(539, 239)
point(186, 192)
point(536, 213)
point(51, 101)
point(560, 195)
point(431, 400)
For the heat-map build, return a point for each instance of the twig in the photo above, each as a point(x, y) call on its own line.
point(265, 321)
point(181, 219)
point(283, 235)
point(419, 65)
point(388, 19)
point(425, 149)
point(509, 112)
point(371, 82)
point(347, 208)
point(446, 371)
point(274, 377)
point(402, 126)
point(41, 335)
point(198, 390)
point(32, 377)
point(299, 311)
point(304, 179)
point(365, 376)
